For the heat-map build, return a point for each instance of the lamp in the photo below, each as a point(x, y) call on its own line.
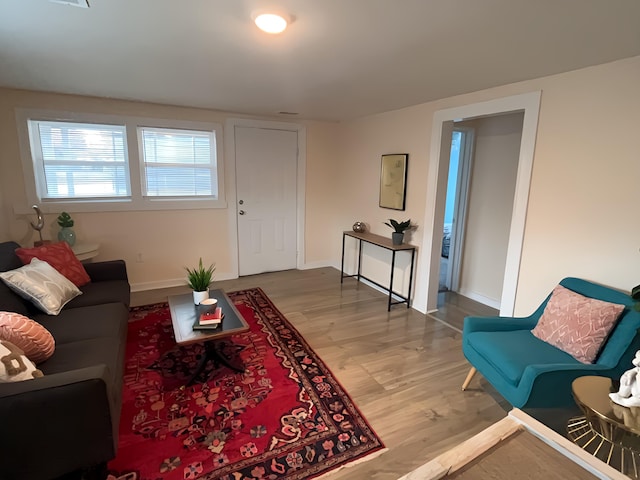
point(271, 22)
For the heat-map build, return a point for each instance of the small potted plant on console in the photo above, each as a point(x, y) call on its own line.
point(397, 237)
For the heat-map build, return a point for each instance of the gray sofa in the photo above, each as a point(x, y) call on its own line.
point(67, 420)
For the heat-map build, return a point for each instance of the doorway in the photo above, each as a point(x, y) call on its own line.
point(426, 297)
point(265, 173)
point(266, 163)
point(455, 207)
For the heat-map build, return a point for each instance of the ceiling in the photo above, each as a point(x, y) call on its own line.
point(339, 59)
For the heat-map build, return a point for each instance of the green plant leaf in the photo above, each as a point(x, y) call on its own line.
point(399, 227)
point(200, 278)
point(64, 220)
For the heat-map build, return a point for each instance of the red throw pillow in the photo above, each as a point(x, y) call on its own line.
point(59, 256)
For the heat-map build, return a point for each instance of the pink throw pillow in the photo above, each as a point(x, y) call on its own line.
point(33, 339)
point(60, 256)
point(577, 324)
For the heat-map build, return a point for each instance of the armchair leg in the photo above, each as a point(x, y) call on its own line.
point(467, 380)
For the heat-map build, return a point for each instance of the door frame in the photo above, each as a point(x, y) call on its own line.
point(230, 182)
point(426, 298)
point(461, 203)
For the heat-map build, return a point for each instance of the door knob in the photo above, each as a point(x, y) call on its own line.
point(241, 212)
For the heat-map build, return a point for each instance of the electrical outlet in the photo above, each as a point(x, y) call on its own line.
point(139, 258)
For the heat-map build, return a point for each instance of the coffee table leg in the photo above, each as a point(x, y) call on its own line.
point(203, 361)
point(215, 348)
point(213, 352)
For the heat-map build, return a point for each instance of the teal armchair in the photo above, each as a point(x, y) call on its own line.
point(530, 373)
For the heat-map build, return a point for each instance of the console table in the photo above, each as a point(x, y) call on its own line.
point(386, 243)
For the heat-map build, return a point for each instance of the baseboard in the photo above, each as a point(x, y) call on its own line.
point(489, 302)
point(321, 264)
point(169, 283)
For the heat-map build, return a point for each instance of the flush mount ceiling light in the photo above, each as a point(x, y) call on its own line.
point(74, 3)
point(271, 22)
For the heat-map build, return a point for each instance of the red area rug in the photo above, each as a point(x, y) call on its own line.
point(285, 417)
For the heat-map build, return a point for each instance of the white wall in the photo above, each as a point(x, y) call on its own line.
point(4, 217)
point(167, 240)
point(491, 193)
point(580, 219)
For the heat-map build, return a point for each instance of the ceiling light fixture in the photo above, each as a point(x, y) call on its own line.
point(74, 3)
point(271, 22)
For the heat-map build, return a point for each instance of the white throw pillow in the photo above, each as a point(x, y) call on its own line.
point(42, 284)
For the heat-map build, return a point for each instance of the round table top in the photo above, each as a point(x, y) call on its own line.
point(592, 393)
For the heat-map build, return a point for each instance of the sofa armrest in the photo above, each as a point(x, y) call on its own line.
point(55, 424)
point(497, 324)
point(105, 271)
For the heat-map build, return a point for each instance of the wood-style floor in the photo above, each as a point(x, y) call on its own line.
point(403, 369)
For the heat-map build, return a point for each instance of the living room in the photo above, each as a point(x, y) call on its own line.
point(583, 179)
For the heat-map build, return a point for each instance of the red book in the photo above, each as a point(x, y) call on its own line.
point(211, 318)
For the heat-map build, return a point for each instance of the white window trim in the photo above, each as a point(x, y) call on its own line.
point(137, 202)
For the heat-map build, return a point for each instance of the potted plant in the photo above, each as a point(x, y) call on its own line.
point(399, 228)
point(199, 279)
point(66, 233)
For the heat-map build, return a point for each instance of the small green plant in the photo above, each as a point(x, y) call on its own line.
point(200, 278)
point(399, 227)
point(64, 220)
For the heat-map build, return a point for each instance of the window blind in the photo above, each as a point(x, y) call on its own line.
point(179, 163)
point(80, 160)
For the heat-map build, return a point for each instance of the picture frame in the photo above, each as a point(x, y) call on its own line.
point(393, 181)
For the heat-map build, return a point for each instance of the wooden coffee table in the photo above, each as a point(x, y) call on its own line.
point(184, 314)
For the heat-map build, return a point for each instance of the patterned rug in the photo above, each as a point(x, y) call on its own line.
point(285, 417)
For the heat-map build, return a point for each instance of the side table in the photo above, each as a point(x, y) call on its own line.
point(86, 251)
point(385, 243)
point(607, 430)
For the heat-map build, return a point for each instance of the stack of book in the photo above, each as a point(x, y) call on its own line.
point(209, 320)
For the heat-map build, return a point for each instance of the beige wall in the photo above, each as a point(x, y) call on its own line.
point(584, 182)
point(579, 220)
point(167, 240)
point(490, 206)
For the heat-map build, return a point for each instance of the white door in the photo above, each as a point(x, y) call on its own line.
point(266, 173)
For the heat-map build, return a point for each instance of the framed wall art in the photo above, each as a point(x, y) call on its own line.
point(393, 181)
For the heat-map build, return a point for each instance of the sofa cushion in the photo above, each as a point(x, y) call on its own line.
point(10, 300)
point(41, 284)
point(87, 353)
point(60, 256)
point(98, 293)
point(577, 324)
point(511, 352)
point(8, 258)
point(78, 324)
point(32, 338)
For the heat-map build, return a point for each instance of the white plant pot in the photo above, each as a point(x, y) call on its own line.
point(200, 296)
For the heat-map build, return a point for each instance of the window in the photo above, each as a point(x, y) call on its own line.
point(79, 160)
point(90, 162)
point(178, 163)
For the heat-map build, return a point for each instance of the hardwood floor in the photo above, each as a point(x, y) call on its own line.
point(403, 369)
point(452, 308)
